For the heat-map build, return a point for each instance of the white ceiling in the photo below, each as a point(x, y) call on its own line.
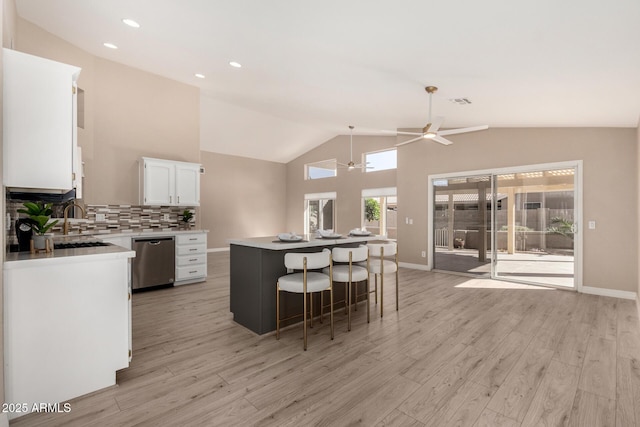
point(312, 68)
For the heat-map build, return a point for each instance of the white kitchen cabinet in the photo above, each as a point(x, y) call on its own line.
point(124, 242)
point(187, 184)
point(65, 326)
point(39, 122)
point(169, 183)
point(191, 258)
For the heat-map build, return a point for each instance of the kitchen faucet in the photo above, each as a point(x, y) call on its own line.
point(66, 216)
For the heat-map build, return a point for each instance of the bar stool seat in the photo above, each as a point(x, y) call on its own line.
point(341, 273)
point(316, 282)
point(386, 265)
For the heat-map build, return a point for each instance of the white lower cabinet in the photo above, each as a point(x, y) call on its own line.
point(191, 258)
point(66, 331)
point(125, 242)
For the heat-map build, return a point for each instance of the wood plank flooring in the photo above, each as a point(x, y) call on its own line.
point(463, 352)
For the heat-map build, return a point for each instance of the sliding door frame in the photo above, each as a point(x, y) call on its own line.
point(578, 214)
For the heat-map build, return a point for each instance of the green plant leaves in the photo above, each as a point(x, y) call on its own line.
point(40, 214)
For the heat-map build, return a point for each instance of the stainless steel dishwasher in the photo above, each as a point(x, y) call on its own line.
point(155, 262)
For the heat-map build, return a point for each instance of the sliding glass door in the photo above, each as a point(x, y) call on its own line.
point(535, 227)
point(517, 224)
point(462, 224)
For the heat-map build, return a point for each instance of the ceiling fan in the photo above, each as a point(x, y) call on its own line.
point(431, 130)
point(352, 165)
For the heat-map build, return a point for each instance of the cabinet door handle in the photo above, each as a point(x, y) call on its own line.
point(193, 272)
point(193, 259)
point(178, 197)
point(170, 199)
point(193, 249)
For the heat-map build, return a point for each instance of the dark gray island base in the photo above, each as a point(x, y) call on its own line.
point(256, 265)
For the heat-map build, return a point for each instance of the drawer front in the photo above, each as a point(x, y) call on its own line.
point(191, 249)
point(191, 272)
point(184, 260)
point(191, 239)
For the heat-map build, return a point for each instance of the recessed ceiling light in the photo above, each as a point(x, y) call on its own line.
point(110, 45)
point(131, 23)
point(200, 76)
point(235, 64)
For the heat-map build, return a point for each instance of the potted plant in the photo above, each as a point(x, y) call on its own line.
point(187, 216)
point(40, 215)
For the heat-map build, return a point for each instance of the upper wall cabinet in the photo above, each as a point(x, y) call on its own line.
point(169, 183)
point(39, 127)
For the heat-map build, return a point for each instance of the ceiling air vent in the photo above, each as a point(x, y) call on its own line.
point(460, 101)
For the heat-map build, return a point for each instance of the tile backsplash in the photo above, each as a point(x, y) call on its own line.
point(117, 219)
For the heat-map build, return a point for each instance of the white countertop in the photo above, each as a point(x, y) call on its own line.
point(27, 259)
point(308, 240)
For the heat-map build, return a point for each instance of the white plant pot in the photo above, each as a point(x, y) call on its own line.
point(39, 241)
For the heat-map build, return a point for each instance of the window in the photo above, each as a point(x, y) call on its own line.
point(318, 170)
point(381, 160)
point(319, 212)
point(380, 211)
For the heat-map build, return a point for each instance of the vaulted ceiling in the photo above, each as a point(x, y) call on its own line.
point(310, 69)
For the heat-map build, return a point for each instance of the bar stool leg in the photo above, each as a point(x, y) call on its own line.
point(304, 321)
point(331, 308)
point(381, 295)
point(349, 310)
point(277, 311)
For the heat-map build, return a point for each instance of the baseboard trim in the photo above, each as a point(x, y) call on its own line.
point(226, 249)
point(414, 266)
point(609, 293)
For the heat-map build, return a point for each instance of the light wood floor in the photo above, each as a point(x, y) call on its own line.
point(459, 352)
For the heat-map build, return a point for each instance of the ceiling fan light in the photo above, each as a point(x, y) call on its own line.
point(429, 135)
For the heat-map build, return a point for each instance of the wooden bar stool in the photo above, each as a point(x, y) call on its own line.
point(306, 282)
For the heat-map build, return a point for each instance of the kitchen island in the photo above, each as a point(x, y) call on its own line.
point(256, 265)
point(67, 323)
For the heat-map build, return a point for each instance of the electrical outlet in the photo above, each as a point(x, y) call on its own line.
point(166, 217)
point(424, 254)
point(100, 217)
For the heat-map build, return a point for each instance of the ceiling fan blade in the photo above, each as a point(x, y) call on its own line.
point(463, 130)
point(435, 125)
point(441, 140)
point(342, 164)
point(410, 141)
point(397, 132)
